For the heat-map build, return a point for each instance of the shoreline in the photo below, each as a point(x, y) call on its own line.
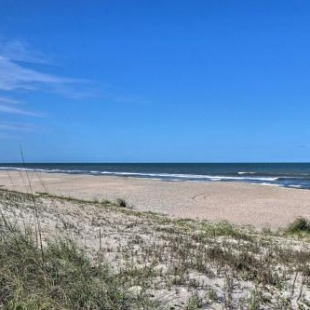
point(239, 203)
point(284, 176)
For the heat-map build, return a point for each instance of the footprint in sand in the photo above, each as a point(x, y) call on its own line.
point(200, 197)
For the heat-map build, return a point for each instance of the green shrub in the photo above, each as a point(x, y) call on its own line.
point(299, 225)
point(122, 203)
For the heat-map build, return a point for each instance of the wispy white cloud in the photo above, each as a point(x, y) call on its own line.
point(14, 76)
point(13, 130)
point(14, 110)
point(8, 101)
point(16, 127)
point(17, 72)
point(8, 105)
point(18, 50)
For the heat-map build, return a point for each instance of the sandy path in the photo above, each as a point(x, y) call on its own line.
point(236, 202)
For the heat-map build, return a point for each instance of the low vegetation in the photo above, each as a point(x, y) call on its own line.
point(122, 203)
point(60, 277)
point(300, 225)
point(102, 255)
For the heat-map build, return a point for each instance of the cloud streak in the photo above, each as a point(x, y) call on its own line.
point(18, 73)
point(14, 76)
point(7, 100)
point(20, 51)
point(16, 127)
point(13, 130)
point(13, 110)
point(8, 105)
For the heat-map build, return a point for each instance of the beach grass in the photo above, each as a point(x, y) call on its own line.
point(300, 226)
point(62, 277)
point(99, 255)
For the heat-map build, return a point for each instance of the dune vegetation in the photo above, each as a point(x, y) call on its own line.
point(64, 253)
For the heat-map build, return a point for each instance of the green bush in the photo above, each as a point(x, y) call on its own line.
point(122, 203)
point(299, 225)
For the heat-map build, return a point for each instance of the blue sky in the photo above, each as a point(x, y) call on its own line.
point(155, 81)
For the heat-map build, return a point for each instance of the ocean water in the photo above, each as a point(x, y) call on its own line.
point(293, 175)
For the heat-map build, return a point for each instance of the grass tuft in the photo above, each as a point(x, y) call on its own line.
point(300, 225)
point(66, 279)
point(122, 203)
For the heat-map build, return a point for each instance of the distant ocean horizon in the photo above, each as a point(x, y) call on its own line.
point(291, 175)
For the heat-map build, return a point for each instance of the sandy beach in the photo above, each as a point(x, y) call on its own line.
point(242, 204)
point(164, 261)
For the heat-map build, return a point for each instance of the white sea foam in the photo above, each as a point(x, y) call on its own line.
point(271, 184)
point(295, 186)
point(223, 178)
point(151, 175)
point(42, 170)
point(189, 176)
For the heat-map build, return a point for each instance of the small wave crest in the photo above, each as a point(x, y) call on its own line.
point(176, 176)
point(188, 176)
point(271, 184)
point(301, 181)
point(43, 170)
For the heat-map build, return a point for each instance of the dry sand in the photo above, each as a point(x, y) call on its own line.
point(175, 262)
point(244, 204)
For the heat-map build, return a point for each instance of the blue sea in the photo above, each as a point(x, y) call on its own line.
point(292, 175)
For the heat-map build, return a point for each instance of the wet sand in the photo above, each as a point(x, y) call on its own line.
point(239, 203)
